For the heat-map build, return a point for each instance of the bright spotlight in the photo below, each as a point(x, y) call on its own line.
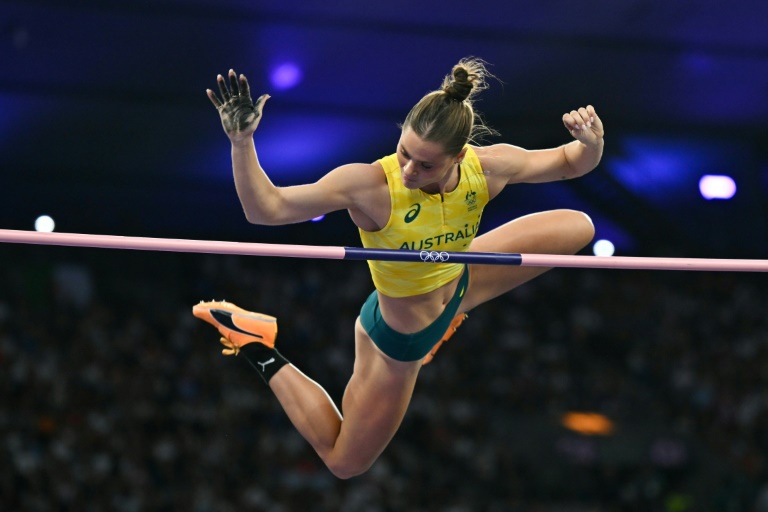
point(318, 219)
point(713, 186)
point(603, 248)
point(44, 224)
point(285, 76)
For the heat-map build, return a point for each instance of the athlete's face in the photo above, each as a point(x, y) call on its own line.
point(424, 164)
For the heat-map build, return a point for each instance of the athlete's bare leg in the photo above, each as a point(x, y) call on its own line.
point(374, 405)
point(380, 389)
point(551, 232)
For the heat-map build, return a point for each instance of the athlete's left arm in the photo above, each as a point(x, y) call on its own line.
point(505, 164)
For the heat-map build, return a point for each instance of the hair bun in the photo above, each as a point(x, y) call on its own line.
point(466, 79)
point(446, 115)
point(459, 86)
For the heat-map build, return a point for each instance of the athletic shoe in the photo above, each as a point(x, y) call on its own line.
point(237, 326)
point(455, 323)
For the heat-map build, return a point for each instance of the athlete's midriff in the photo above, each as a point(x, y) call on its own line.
point(412, 314)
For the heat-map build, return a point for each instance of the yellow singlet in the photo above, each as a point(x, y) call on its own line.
point(421, 221)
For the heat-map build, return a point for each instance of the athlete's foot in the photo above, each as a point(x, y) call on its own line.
point(455, 323)
point(237, 326)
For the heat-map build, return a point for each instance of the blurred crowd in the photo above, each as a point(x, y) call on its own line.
point(114, 397)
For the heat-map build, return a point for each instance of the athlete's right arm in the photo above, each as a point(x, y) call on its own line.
point(349, 186)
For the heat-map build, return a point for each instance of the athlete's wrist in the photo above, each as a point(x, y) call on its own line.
point(243, 143)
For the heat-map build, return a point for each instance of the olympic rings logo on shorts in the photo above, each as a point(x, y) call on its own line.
point(434, 256)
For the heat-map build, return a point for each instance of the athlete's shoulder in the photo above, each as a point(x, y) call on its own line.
point(360, 172)
point(368, 185)
point(388, 164)
point(498, 158)
point(479, 153)
point(360, 179)
point(472, 158)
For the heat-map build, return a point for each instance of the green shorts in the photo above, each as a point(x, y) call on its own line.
point(409, 347)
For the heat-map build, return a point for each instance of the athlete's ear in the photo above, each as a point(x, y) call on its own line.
point(461, 154)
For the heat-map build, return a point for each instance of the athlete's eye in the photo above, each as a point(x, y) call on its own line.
point(423, 165)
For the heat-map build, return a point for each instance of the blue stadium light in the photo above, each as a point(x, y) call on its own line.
point(286, 76)
point(715, 186)
point(603, 248)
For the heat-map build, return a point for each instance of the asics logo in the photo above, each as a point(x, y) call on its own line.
point(225, 319)
point(265, 363)
point(412, 213)
point(434, 256)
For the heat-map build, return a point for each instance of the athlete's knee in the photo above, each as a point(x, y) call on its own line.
point(345, 470)
point(587, 226)
point(580, 227)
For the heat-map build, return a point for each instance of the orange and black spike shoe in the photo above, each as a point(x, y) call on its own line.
point(455, 323)
point(238, 326)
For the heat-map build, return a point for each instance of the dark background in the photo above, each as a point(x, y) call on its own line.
point(104, 125)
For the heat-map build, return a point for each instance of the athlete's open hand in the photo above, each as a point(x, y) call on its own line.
point(584, 125)
point(239, 115)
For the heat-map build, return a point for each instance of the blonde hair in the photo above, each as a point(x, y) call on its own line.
point(447, 115)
